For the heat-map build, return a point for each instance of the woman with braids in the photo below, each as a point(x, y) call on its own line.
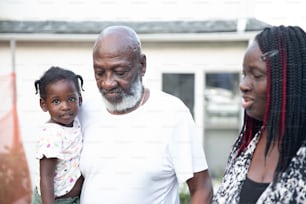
point(60, 140)
point(268, 160)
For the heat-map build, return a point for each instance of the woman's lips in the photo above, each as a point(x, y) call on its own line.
point(246, 102)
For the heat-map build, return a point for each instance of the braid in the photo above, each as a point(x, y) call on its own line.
point(268, 40)
point(249, 128)
point(285, 112)
point(286, 92)
point(295, 124)
point(54, 74)
point(79, 77)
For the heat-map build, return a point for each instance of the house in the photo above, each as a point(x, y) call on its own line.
point(198, 61)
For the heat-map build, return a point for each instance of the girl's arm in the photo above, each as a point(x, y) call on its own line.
point(47, 171)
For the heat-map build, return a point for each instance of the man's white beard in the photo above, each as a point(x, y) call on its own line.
point(128, 101)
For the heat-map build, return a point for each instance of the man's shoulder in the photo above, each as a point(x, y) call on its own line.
point(162, 95)
point(91, 106)
point(167, 100)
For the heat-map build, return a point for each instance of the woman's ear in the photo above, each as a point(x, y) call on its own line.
point(43, 104)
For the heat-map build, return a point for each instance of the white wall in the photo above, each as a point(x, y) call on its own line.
point(6, 58)
point(33, 58)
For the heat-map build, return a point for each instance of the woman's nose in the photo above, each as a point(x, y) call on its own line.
point(244, 84)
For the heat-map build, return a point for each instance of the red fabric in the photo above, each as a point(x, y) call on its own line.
point(15, 183)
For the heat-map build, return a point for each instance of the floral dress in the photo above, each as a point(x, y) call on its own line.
point(65, 144)
point(290, 188)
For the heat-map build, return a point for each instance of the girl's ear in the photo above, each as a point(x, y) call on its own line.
point(80, 100)
point(43, 105)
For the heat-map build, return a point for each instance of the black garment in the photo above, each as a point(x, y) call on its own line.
point(251, 191)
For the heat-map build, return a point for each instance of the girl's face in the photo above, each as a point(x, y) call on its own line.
point(62, 102)
point(253, 84)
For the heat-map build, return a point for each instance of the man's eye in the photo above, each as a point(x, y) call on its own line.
point(121, 73)
point(99, 73)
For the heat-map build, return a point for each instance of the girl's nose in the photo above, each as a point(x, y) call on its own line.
point(65, 105)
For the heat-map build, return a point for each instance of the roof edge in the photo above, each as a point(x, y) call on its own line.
point(150, 27)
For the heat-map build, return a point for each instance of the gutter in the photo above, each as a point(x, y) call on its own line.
point(164, 37)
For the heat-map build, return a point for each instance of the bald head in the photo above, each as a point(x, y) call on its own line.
point(119, 67)
point(122, 37)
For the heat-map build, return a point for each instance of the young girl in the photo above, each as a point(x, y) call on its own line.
point(60, 140)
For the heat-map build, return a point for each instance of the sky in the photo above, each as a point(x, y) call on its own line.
point(275, 12)
point(289, 12)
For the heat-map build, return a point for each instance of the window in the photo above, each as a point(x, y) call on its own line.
point(180, 85)
point(222, 99)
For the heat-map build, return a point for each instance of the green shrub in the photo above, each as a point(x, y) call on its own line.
point(184, 198)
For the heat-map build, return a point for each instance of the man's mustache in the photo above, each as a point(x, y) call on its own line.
point(114, 90)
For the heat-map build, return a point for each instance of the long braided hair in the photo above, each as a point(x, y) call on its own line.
point(285, 112)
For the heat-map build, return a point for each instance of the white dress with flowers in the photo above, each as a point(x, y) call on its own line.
point(65, 144)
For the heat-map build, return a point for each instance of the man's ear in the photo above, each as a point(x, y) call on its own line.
point(43, 104)
point(143, 62)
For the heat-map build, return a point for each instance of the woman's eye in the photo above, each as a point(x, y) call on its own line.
point(258, 76)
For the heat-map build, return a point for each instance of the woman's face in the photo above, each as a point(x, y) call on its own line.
point(253, 84)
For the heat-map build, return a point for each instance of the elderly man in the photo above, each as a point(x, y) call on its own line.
point(139, 143)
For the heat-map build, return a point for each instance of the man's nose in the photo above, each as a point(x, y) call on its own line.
point(108, 82)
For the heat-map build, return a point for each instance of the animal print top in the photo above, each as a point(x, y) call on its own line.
point(289, 188)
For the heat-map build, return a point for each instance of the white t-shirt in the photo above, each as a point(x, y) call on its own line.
point(139, 157)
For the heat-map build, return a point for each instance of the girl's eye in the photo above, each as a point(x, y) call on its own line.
point(56, 102)
point(72, 99)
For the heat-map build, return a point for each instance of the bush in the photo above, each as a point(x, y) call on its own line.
point(184, 198)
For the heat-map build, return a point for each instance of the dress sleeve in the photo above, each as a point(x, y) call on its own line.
point(49, 143)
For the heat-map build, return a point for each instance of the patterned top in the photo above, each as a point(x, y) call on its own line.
point(289, 188)
point(65, 144)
